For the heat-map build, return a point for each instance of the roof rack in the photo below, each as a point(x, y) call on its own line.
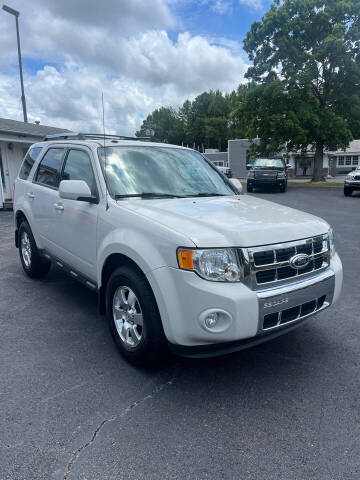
point(90, 136)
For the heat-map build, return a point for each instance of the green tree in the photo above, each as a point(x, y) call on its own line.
point(306, 60)
point(166, 124)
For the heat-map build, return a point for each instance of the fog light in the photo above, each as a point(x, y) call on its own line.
point(215, 320)
point(211, 320)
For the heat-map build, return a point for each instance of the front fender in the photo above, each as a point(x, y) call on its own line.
point(149, 250)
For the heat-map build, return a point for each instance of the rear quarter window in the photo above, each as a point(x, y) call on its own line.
point(28, 162)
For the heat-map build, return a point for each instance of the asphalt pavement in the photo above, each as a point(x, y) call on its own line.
point(72, 408)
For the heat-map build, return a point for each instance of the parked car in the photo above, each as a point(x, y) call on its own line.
point(226, 171)
point(178, 257)
point(267, 172)
point(352, 182)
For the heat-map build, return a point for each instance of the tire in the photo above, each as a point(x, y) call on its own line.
point(34, 265)
point(347, 192)
point(249, 188)
point(283, 188)
point(128, 295)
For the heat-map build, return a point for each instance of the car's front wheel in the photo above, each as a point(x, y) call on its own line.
point(134, 317)
point(249, 187)
point(283, 187)
point(347, 191)
point(34, 265)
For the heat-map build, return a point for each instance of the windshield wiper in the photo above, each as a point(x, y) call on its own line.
point(207, 194)
point(147, 195)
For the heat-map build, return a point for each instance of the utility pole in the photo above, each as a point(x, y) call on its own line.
point(16, 15)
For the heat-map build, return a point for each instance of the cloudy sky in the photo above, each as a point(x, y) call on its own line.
point(141, 53)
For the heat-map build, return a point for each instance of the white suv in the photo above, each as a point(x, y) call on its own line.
point(177, 256)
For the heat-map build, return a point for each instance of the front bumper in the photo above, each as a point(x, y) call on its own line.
point(263, 182)
point(183, 297)
point(354, 185)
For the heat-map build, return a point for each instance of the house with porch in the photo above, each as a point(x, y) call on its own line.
point(15, 139)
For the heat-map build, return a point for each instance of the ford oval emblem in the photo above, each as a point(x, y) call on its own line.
point(299, 261)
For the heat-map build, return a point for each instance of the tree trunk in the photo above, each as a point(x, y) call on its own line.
point(318, 175)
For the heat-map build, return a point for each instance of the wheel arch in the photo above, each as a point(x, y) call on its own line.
point(111, 263)
point(19, 218)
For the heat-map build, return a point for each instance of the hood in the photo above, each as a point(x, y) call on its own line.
point(239, 220)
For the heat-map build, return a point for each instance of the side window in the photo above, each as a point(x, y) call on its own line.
point(28, 162)
point(78, 167)
point(49, 169)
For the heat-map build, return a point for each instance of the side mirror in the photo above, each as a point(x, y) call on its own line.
point(288, 165)
point(76, 190)
point(237, 184)
point(248, 166)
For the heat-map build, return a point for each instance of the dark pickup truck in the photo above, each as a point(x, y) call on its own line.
point(270, 172)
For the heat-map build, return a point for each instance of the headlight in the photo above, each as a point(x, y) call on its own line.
point(281, 175)
point(215, 264)
point(331, 242)
point(251, 175)
point(349, 177)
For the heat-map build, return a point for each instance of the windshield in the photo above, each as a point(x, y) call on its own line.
point(160, 171)
point(268, 163)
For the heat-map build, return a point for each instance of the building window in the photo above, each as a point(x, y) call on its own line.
point(341, 160)
point(355, 160)
point(348, 160)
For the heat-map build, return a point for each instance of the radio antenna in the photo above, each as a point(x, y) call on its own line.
point(105, 172)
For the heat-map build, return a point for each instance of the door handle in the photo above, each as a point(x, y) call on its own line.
point(58, 207)
point(31, 195)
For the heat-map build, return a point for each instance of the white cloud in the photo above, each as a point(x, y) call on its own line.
point(221, 6)
point(255, 4)
point(79, 57)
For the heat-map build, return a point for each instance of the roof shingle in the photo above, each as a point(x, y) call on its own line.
point(31, 129)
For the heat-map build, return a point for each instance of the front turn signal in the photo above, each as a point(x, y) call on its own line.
point(185, 258)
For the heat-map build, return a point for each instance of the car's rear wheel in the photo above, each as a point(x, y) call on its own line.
point(34, 265)
point(249, 188)
point(347, 191)
point(134, 317)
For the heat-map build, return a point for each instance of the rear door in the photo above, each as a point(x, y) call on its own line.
point(43, 195)
point(76, 221)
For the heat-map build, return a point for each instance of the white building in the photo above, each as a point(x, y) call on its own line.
point(15, 139)
point(334, 163)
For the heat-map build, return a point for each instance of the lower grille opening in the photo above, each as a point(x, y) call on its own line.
point(321, 301)
point(271, 320)
point(308, 307)
point(290, 314)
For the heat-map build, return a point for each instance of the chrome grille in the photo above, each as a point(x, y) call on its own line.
point(269, 265)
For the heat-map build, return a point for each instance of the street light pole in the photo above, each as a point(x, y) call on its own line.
point(16, 15)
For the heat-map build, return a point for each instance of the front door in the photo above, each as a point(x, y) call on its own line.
point(4, 177)
point(76, 221)
point(304, 167)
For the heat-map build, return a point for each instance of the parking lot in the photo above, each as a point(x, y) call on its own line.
point(72, 408)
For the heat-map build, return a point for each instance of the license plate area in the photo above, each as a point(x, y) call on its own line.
point(282, 309)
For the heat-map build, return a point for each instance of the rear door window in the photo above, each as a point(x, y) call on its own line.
point(28, 162)
point(50, 167)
